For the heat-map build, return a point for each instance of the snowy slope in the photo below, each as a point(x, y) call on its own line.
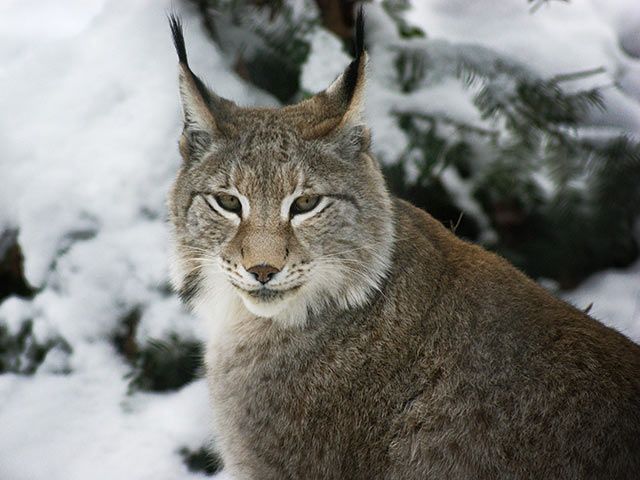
point(88, 149)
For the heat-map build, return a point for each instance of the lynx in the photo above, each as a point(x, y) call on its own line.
point(352, 336)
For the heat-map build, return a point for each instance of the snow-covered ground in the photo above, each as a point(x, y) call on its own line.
point(88, 131)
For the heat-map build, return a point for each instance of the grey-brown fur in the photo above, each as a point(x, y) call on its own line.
point(446, 362)
point(463, 368)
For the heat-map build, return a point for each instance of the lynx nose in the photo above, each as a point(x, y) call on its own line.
point(263, 272)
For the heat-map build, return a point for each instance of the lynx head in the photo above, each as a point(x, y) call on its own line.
point(284, 210)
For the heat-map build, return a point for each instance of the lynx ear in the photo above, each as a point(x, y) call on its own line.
point(205, 113)
point(339, 106)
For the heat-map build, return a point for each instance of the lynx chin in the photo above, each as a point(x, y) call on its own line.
point(354, 337)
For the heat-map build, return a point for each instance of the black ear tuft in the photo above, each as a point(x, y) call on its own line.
point(178, 38)
point(175, 23)
point(353, 70)
point(359, 35)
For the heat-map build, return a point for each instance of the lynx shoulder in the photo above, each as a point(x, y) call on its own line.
point(353, 336)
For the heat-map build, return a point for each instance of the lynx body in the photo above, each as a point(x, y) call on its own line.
point(354, 337)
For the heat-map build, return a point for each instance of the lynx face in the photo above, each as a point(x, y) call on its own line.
point(282, 208)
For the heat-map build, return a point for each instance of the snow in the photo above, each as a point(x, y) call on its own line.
point(86, 427)
point(326, 61)
point(616, 299)
point(89, 131)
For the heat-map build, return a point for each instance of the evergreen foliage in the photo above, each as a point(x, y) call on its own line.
point(167, 364)
point(265, 40)
point(22, 353)
point(157, 364)
point(12, 280)
point(202, 460)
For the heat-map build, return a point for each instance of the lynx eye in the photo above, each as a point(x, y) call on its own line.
point(304, 204)
point(229, 203)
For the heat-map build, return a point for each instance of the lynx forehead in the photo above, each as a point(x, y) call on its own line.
point(281, 211)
